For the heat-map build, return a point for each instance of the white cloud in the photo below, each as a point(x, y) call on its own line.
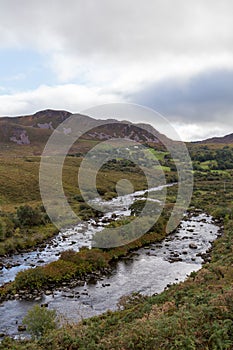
point(197, 132)
point(110, 40)
point(69, 97)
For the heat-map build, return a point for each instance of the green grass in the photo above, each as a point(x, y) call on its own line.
point(158, 154)
point(194, 315)
point(19, 186)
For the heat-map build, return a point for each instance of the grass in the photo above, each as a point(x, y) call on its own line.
point(19, 186)
point(158, 154)
point(196, 314)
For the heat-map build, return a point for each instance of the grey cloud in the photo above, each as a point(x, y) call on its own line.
point(125, 37)
point(126, 28)
point(206, 97)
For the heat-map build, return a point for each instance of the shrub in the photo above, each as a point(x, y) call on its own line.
point(40, 321)
point(27, 216)
point(59, 270)
point(31, 278)
point(86, 259)
point(6, 228)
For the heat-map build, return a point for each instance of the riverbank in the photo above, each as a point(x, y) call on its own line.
point(196, 314)
point(76, 265)
point(147, 270)
point(72, 265)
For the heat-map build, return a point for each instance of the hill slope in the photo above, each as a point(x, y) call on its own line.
point(228, 139)
point(30, 133)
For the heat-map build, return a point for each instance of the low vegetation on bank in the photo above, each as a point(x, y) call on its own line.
point(194, 315)
point(73, 264)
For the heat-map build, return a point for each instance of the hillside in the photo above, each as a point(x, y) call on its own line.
point(227, 139)
point(195, 314)
point(29, 134)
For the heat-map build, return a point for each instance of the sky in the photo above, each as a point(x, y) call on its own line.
point(175, 56)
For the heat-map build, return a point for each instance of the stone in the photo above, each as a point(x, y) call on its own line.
point(48, 292)
point(37, 299)
point(44, 305)
point(22, 328)
point(192, 246)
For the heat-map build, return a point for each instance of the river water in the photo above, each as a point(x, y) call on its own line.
point(73, 238)
point(148, 270)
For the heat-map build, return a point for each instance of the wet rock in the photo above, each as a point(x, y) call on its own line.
point(48, 292)
point(22, 328)
point(71, 296)
point(15, 264)
point(172, 260)
point(44, 305)
point(38, 298)
point(192, 246)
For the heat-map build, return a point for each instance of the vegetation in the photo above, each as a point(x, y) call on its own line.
point(77, 264)
point(204, 157)
point(40, 321)
point(196, 314)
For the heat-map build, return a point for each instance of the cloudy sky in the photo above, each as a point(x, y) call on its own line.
point(175, 56)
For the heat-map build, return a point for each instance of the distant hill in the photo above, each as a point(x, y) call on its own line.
point(29, 134)
point(228, 139)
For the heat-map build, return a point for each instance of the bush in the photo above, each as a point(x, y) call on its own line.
point(31, 278)
point(59, 270)
point(6, 228)
point(27, 216)
point(86, 259)
point(40, 321)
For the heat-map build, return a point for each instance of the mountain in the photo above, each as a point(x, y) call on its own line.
point(228, 139)
point(30, 133)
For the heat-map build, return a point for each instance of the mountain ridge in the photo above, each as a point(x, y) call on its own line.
point(34, 130)
point(227, 139)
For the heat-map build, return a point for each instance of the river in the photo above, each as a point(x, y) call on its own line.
point(148, 270)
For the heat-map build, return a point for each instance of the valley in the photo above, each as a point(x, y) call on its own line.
point(149, 290)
